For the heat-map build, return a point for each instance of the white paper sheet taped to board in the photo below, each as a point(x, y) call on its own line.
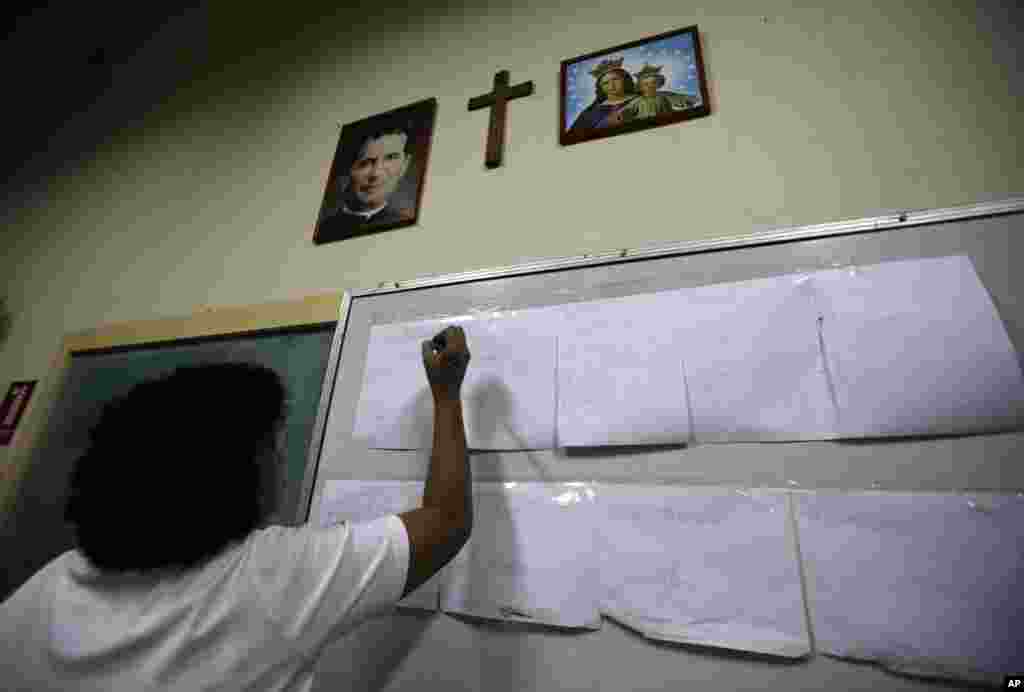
point(620, 373)
point(531, 557)
point(918, 348)
point(925, 583)
point(709, 566)
point(508, 394)
point(752, 361)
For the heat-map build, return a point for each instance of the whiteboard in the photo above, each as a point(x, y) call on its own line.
point(421, 651)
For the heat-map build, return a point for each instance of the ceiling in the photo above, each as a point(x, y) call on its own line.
point(66, 90)
point(58, 59)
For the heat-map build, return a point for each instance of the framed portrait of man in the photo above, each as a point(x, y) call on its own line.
point(647, 83)
point(376, 178)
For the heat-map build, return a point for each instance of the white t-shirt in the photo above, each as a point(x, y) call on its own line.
point(256, 617)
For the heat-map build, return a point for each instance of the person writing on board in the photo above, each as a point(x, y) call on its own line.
point(175, 584)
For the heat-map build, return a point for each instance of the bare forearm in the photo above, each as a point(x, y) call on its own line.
point(449, 480)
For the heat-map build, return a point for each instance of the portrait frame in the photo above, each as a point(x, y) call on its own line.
point(672, 60)
point(355, 187)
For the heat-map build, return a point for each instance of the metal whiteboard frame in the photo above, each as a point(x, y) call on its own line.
point(883, 222)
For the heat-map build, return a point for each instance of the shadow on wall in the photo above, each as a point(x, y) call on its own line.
point(494, 422)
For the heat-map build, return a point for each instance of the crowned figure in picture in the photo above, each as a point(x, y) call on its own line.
point(651, 100)
point(614, 91)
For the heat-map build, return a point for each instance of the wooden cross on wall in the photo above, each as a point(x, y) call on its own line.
point(498, 100)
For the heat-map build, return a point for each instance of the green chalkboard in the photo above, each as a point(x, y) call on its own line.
point(36, 532)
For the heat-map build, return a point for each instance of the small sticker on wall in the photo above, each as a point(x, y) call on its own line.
point(13, 407)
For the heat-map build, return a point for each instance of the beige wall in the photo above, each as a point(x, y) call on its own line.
point(210, 198)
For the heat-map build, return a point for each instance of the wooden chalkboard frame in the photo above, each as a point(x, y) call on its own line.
point(206, 322)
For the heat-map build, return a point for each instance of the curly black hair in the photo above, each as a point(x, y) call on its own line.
point(179, 468)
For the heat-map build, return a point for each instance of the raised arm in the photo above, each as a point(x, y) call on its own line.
point(439, 529)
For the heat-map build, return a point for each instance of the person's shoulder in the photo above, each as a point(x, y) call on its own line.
point(280, 533)
point(277, 538)
point(288, 559)
point(313, 584)
point(274, 552)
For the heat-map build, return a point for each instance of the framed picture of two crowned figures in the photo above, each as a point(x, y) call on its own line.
point(647, 83)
